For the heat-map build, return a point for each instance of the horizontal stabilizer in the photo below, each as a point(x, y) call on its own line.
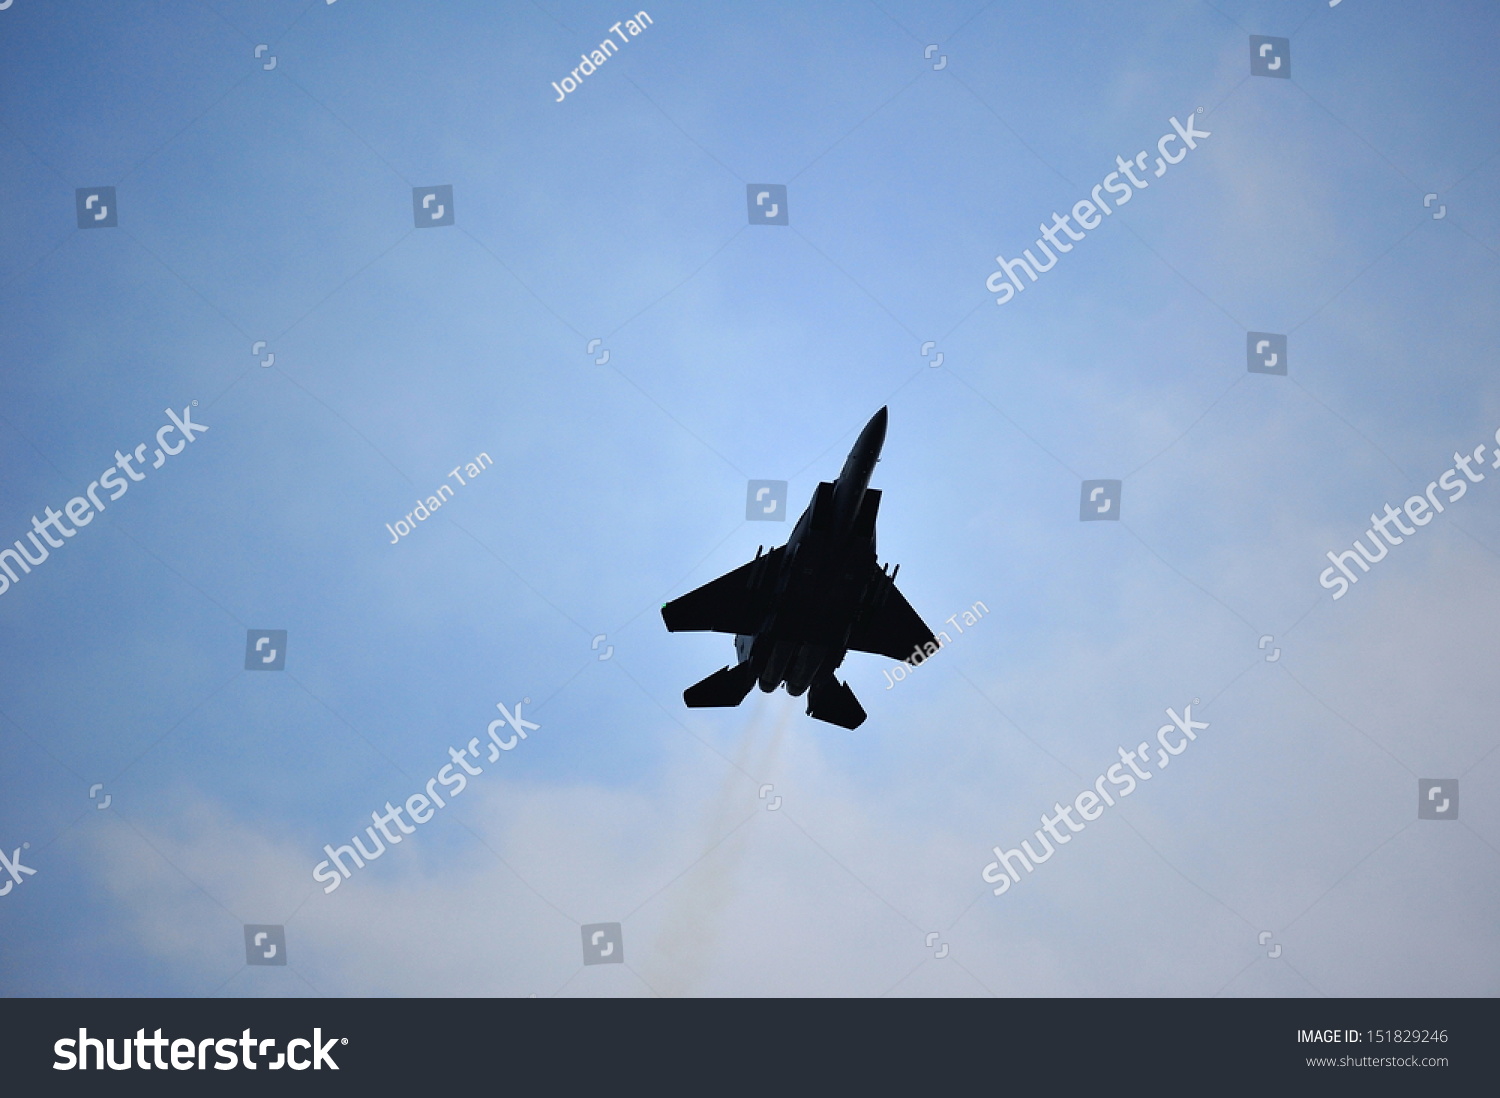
point(832, 701)
point(725, 688)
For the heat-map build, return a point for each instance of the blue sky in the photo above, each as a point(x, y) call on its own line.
point(275, 205)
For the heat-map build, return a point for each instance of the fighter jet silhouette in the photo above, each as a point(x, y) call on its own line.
point(798, 610)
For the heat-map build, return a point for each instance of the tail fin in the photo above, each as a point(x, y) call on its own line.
point(726, 688)
point(832, 701)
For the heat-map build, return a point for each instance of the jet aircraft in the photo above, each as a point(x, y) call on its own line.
point(797, 610)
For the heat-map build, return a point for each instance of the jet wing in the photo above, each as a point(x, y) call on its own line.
point(887, 625)
point(737, 602)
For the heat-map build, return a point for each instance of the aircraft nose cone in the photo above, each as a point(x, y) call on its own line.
point(874, 432)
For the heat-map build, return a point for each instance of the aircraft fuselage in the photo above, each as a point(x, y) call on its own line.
point(822, 577)
point(798, 610)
